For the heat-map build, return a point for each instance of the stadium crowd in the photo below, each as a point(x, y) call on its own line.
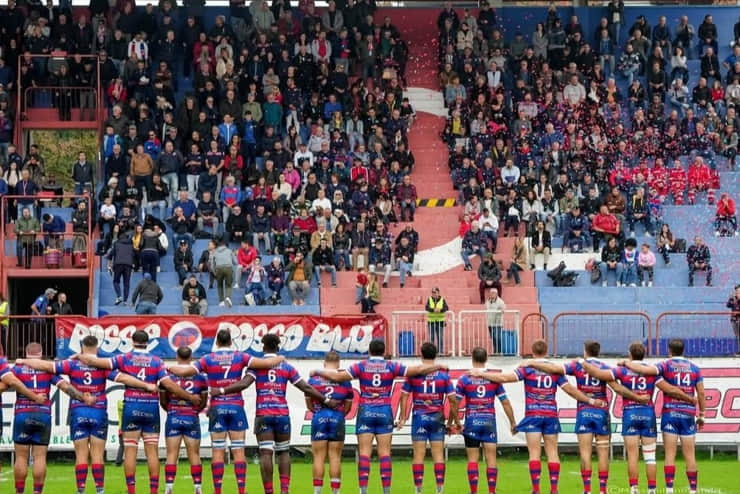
point(576, 136)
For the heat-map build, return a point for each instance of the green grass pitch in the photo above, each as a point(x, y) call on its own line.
point(717, 476)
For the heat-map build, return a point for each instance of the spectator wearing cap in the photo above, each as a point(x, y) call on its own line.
point(576, 236)
point(147, 296)
point(194, 297)
point(699, 258)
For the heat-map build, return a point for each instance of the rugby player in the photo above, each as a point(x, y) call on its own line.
point(591, 422)
point(327, 426)
point(375, 416)
point(226, 413)
point(638, 419)
point(427, 393)
point(678, 419)
point(480, 420)
point(140, 419)
point(540, 422)
point(272, 417)
point(183, 425)
point(88, 424)
point(32, 421)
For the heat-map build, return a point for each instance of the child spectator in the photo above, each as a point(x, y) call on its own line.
point(666, 242)
point(645, 264)
point(629, 263)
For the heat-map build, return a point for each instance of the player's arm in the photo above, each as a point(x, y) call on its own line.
point(546, 367)
point(333, 375)
point(627, 393)
point(403, 415)
point(237, 387)
point(164, 399)
point(75, 393)
point(578, 395)
point(423, 370)
point(674, 392)
point(95, 361)
point(509, 411)
point(3, 387)
point(638, 368)
point(495, 377)
point(266, 363)
point(37, 364)
point(10, 381)
point(169, 385)
point(132, 382)
point(180, 370)
point(310, 391)
point(592, 370)
point(701, 401)
point(453, 419)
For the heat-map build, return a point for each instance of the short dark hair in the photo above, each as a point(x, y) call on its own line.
point(270, 343)
point(592, 348)
point(89, 341)
point(637, 351)
point(428, 350)
point(331, 356)
point(223, 338)
point(676, 347)
point(140, 338)
point(377, 348)
point(480, 356)
point(539, 347)
point(184, 352)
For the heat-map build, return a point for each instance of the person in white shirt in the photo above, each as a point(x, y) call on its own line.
point(107, 215)
point(488, 224)
point(321, 201)
point(138, 47)
point(574, 93)
point(302, 154)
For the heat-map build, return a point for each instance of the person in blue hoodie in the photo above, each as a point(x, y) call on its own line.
point(53, 228)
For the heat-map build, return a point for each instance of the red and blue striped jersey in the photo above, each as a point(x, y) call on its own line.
point(271, 386)
point(143, 366)
point(428, 392)
point(589, 385)
point(376, 376)
point(86, 379)
point(479, 395)
point(638, 384)
point(540, 389)
point(195, 385)
point(332, 390)
point(37, 381)
point(685, 375)
point(223, 368)
point(4, 367)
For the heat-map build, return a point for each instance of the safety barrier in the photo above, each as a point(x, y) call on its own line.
point(614, 330)
point(534, 326)
point(704, 333)
point(496, 331)
point(23, 330)
point(410, 327)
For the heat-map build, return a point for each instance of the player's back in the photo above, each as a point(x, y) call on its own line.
point(339, 391)
point(37, 381)
point(376, 376)
point(639, 384)
point(223, 368)
point(271, 386)
point(540, 390)
point(685, 375)
point(589, 385)
point(195, 385)
point(145, 367)
point(85, 379)
point(479, 395)
point(428, 392)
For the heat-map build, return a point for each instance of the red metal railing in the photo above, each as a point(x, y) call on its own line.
point(614, 330)
point(534, 326)
point(704, 333)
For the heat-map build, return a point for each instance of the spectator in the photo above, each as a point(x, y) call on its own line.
point(518, 261)
point(26, 229)
point(733, 303)
point(629, 263)
point(638, 212)
point(147, 296)
point(275, 279)
point(299, 275)
point(360, 242)
point(699, 258)
point(254, 289)
point(406, 197)
point(157, 195)
point(540, 244)
point(194, 297)
point(488, 224)
point(207, 213)
point(436, 308)
point(474, 242)
point(489, 275)
point(82, 174)
point(371, 297)
point(322, 259)
point(646, 265)
point(182, 226)
point(611, 256)
point(379, 259)
point(666, 242)
point(404, 256)
point(61, 307)
point(495, 307)
point(53, 228)
point(42, 305)
point(121, 263)
point(204, 262)
point(725, 222)
point(150, 248)
point(245, 257)
point(183, 261)
point(223, 262)
point(605, 224)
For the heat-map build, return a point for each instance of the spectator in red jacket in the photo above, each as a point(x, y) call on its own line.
point(604, 225)
point(677, 180)
point(245, 256)
point(700, 178)
point(725, 223)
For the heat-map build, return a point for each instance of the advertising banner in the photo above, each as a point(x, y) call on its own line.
point(721, 380)
point(302, 336)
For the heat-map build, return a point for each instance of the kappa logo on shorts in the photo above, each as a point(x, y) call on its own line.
point(669, 427)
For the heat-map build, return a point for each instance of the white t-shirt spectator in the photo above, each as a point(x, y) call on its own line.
point(108, 211)
point(488, 223)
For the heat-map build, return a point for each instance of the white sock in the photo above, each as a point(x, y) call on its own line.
point(317, 489)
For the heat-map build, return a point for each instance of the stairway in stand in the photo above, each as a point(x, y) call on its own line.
point(437, 226)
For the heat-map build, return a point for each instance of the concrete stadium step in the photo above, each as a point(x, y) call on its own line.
point(676, 277)
point(635, 295)
point(416, 296)
point(216, 310)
